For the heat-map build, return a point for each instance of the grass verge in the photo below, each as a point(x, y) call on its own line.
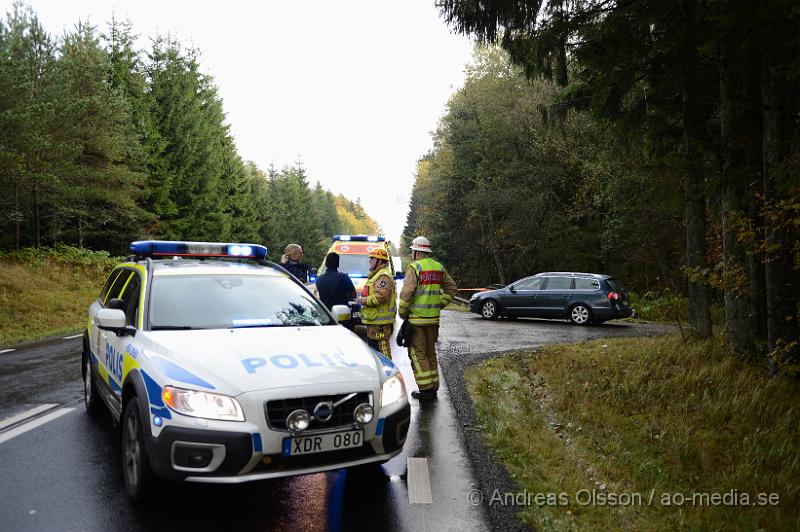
point(646, 434)
point(47, 291)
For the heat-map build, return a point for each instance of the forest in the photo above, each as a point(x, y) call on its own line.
point(102, 143)
point(654, 141)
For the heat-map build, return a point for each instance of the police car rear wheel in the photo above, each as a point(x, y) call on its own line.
point(139, 477)
point(91, 399)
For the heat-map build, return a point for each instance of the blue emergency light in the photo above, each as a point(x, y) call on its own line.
point(161, 248)
point(359, 238)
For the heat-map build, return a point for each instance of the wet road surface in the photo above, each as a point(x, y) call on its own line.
point(65, 474)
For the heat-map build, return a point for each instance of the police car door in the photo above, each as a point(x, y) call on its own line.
point(98, 337)
point(94, 330)
point(110, 351)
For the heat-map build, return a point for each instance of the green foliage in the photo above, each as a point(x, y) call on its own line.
point(504, 194)
point(101, 144)
point(62, 254)
point(46, 291)
point(669, 147)
point(640, 415)
point(665, 306)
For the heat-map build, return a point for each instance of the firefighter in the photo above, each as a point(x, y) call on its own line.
point(427, 288)
point(378, 307)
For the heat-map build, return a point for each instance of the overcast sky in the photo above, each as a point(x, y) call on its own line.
point(352, 88)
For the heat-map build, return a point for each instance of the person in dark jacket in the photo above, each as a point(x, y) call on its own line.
point(333, 286)
point(292, 260)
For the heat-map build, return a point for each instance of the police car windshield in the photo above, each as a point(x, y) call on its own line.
point(231, 301)
point(353, 265)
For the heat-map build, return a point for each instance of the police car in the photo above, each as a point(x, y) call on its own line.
point(224, 371)
point(353, 251)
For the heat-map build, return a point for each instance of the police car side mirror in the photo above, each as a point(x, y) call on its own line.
point(113, 319)
point(341, 313)
point(512, 289)
point(117, 303)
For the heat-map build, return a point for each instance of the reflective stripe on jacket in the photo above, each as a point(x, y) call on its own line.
point(427, 304)
point(373, 313)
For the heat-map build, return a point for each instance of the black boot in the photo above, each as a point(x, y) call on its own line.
point(424, 395)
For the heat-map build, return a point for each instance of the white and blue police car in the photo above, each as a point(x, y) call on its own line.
point(226, 371)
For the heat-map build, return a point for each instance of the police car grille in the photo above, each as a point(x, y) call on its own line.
point(277, 411)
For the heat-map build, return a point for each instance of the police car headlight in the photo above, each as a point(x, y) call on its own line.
point(202, 404)
point(393, 389)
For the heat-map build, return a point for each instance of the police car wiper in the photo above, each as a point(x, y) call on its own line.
point(172, 327)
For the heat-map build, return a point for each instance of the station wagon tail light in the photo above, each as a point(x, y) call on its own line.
point(202, 404)
point(614, 296)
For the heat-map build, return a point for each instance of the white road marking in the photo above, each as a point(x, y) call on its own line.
point(28, 413)
point(16, 431)
point(419, 482)
point(6, 351)
point(73, 336)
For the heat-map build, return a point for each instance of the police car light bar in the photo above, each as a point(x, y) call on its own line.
point(197, 249)
point(359, 238)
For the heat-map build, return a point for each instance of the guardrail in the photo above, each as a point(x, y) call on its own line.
point(469, 291)
point(461, 300)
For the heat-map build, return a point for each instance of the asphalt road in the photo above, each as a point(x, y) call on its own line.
point(64, 473)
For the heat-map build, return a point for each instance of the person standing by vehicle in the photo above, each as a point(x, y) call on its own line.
point(334, 287)
point(378, 307)
point(292, 260)
point(427, 288)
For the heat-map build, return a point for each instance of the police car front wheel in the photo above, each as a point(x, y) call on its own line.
point(139, 477)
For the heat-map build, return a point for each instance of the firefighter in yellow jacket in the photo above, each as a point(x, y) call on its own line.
point(378, 307)
point(427, 288)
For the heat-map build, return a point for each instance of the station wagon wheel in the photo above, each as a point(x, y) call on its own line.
point(580, 315)
point(489, 309)
point(91, 400)
point(139, 477)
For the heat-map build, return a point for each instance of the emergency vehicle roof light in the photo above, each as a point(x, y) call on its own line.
point(359, 238)
point(161, 248)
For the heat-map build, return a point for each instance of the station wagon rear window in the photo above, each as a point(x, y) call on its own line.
point(586, 284)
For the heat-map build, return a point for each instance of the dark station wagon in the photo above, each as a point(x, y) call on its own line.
point(582, 298)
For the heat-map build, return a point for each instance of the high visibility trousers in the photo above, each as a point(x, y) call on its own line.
point(378, 337)
point(423, 356)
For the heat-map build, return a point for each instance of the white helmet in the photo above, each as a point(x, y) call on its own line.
point(421, 244)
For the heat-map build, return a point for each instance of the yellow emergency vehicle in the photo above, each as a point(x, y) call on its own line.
point(353, 251)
